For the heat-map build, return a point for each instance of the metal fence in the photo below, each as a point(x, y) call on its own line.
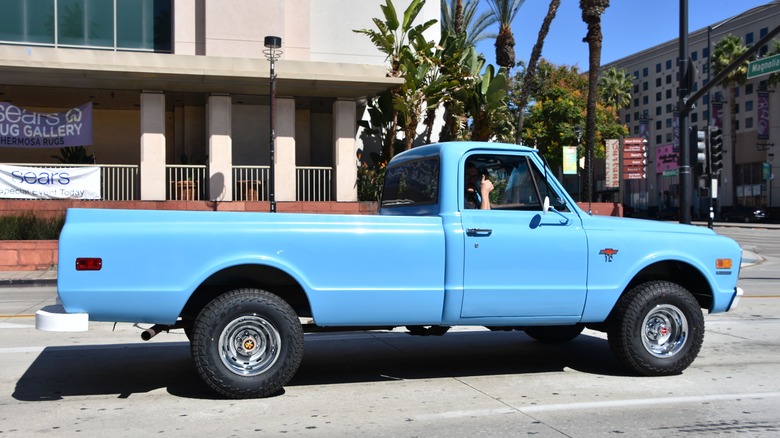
point(250, 183)
point(119, 182)
point(186, 182)
point(313, 183)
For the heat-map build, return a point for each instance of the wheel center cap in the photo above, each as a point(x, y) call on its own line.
point(249, 344)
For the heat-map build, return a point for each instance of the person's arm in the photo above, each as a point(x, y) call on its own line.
point(485, 187)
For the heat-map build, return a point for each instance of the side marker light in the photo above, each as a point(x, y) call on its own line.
point(722, 263)
point(89, 264)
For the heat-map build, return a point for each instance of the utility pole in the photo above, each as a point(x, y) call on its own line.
point(686, 179)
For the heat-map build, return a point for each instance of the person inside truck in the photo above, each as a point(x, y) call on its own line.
point(478, 188)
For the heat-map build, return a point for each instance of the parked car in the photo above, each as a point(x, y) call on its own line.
point(743, 213)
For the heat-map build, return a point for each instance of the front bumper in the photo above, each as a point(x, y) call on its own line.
point(55, 319)
point(738, 292)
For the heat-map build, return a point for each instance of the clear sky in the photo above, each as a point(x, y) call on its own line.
point(628, 26)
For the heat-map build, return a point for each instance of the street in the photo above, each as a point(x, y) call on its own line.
point(468, 383)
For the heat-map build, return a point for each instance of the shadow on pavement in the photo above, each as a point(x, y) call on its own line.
point(347, 357)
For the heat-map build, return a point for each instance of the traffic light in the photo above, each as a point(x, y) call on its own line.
point(698, 145)
point(716, 150)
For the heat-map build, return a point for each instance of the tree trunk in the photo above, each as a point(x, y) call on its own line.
point(530, 72)
point(591, 15)
point(457, 20)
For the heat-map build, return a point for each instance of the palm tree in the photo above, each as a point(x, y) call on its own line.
point(393, 37)
point(727, 51)
point(615, 88)
point(505, 12)
point(458, 17)
point(529, 77)
point(591, 15)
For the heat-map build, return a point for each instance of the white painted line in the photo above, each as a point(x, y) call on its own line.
point(599, 405)
point(21, 350)
point(10, 325)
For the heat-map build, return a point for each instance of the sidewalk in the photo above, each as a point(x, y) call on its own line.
point(28, 278)
point(49, 277)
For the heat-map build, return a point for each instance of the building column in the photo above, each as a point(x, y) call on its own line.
point(345, 163)
point(219, 123)
point(284, 153)
point(152, 146)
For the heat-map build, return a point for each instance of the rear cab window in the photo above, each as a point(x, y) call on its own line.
point(412, 183)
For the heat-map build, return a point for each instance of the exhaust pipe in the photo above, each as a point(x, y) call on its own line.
point(153, 331)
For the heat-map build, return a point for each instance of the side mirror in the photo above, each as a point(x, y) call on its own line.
point(546, 205)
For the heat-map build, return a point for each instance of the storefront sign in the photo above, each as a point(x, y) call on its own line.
point(21, 128)
point(569, 160)
point(18, 182)
point(665, 159)
point(763, 115)
point(613, 163)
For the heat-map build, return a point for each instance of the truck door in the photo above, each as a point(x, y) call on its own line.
point(519, 261)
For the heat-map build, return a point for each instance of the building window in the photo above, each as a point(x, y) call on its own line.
point(736, 125)
point(658, 111)
point(658, 125)
point(748, 89)
point(636, 101)
point(668, 137)
point(636, 130)
point(736, 108)
point(705, 115)
point(658, 82)
point(694, 117)
point(706, 99)
point(644, 100)
point(668, 108)
point(636, 74)
point(658, 139)
point(669, 93)
point(658, 68)
point(705, 53)
point(668, 122)
point(658, 96)
point(749, 106)
point(644, 72)
point(668, 79)
point(736, 91)
point(143, 25)
point(636, 88)
point(749, 38)
point(748, 123)
point(645, 86)
point(668, 64)
point(628, 118)
point(694, 55)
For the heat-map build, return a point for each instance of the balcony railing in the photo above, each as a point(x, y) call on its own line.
point(119, 182)
point(313, 183)
point(186, 182)
point(250, 183)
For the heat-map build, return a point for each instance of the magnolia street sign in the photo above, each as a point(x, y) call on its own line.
point(764, 66)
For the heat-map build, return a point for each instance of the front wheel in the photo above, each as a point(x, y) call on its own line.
point(247, 343)
point(657, 329)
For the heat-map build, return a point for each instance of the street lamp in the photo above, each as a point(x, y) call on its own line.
point(272, 53)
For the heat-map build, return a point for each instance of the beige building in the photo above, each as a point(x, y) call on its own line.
point(748, 165)
point(180, 90)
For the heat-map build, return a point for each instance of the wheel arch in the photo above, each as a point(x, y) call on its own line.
point(248, 275)
point(679, 272)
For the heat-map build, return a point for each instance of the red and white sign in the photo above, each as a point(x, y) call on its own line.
point(634, 158)
point(613, 163)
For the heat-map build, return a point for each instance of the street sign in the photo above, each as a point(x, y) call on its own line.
point(635, 162)
point(764, 66)
point(634, 158)
point(634, 155)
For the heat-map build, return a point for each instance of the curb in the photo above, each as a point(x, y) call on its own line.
point(27, 282)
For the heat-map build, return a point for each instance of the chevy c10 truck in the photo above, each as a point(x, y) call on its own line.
point(245, 287)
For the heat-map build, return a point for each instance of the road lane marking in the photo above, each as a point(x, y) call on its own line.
point(599, 405)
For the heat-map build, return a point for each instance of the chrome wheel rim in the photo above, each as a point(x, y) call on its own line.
point(664, 331)
point(249, 345)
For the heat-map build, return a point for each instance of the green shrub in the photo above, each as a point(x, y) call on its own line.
point(30, 227)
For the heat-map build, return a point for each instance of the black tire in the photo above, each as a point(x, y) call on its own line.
point(427, 330)
point(656, 329)
point(266, 345)
point(554, 334)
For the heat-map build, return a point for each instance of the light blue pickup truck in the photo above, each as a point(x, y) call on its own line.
point(245, 287)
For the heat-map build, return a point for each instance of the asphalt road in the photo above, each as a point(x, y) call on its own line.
point(468, 383)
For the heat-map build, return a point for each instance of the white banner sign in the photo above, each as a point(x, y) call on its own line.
point(18, 182)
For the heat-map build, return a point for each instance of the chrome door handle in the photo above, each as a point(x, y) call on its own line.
point(479, 231)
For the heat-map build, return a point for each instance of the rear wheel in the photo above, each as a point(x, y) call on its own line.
point(554, 334)
point(247, 343)
point(657, 329)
